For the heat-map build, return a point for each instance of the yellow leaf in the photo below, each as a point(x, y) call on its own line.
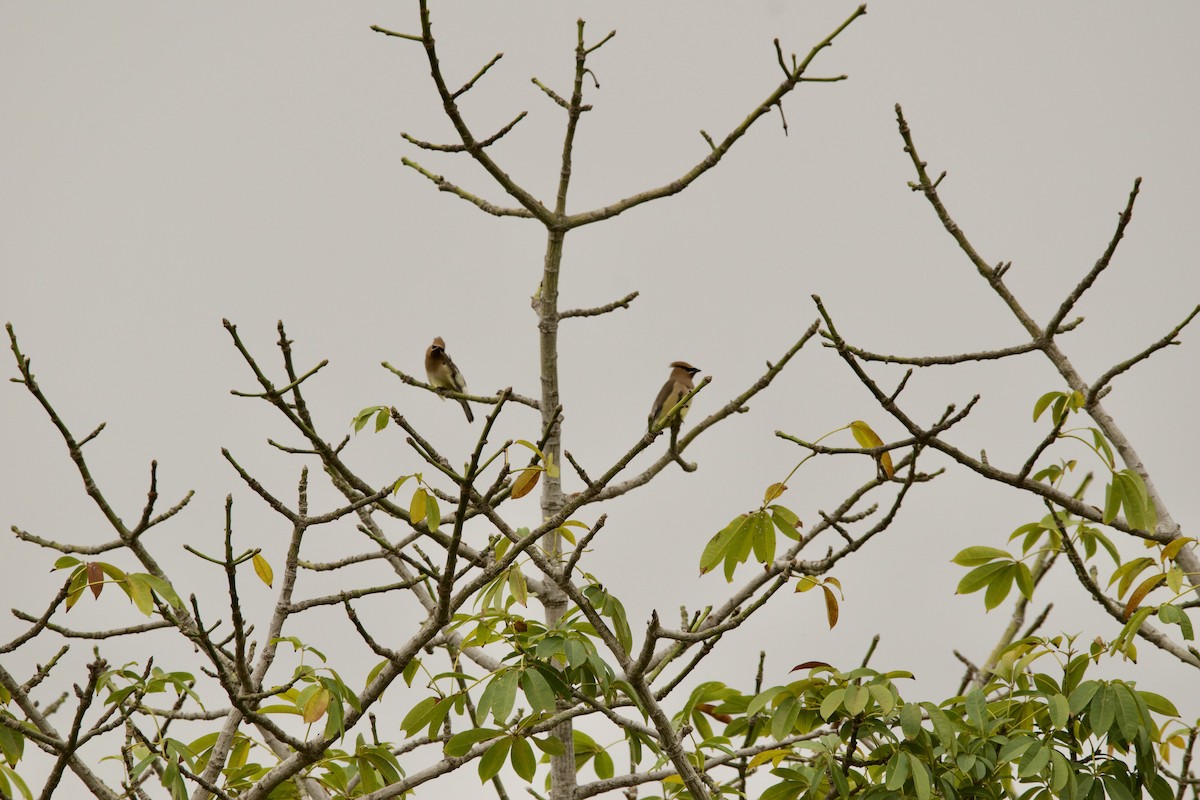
point(263, 570)
point(774, 755)
point(1172, 549)
point(316, 706)
point(525, 482)
point(805, 583)
point(866, 439)
point(774, 491)
point(416, 508)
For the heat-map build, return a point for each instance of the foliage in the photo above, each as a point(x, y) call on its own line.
point(517, 641)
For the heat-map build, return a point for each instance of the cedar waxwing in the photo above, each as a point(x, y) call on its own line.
point(674, 390)
point(443, 374)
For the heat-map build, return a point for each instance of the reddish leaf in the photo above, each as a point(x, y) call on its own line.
point(95, 578)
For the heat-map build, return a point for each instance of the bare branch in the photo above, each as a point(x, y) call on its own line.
point(604, 309)
point(444, 185)
point(792, 79)
point(474, 398)
point(459, 148)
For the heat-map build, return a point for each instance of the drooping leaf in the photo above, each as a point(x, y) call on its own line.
point(831, 607)
point(763, 537)
point(1143, 589)
point(525, 481)
point(417, 507)
point(263, 569)
point(867, 438)
point(493, 759)
point(95, 578)
point(523, 761)
point(433, 513)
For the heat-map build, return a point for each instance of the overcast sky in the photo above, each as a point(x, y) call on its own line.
point(167, 165)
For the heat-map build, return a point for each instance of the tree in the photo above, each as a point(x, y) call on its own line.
point(496, 684)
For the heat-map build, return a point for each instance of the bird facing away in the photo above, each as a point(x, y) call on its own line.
point(443, 374)
point(674, 390)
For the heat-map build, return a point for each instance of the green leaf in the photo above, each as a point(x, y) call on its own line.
point(523, 761)
point(550, 746)
point(786, 521)
point(162, 589)
point(1159, 704)
point(831, 703)
point(537, 690)
point(532, 447)
point(1059, 709)
point(1128, 572)
point(1139, 511)
point(974, 556)
point(1000, 587)
point(1113, 498)
point(1016, 747)
point(461, 743)
point(1103, 710)
point(910, 722)
point(764, 538)
point(1034, 760)
point(1103, 448)
point(433, 513)
point(856, 699)
point(1060, 771)
point(1043, 403)
point(883, 697)
point(1128, 718)
point(417, 717)
point(977, 709)
point(140, 593)
point(1024, 580)
point(517, 586)
point(603, 764)
point(493, 759)
point(920, 777)
point(897, 771)
point(979, 577)
point(726, 542)
point(505, 688)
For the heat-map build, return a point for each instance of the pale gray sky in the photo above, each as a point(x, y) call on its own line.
point(167, 165)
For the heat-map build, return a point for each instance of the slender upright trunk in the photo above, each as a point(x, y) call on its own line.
point(562, 767)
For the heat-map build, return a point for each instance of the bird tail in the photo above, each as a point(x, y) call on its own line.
point(467, 408)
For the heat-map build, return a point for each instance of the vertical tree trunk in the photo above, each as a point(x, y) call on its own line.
point(562, 767)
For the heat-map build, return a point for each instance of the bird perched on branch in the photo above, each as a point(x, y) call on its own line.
point(443, 374)
point(675, 389)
